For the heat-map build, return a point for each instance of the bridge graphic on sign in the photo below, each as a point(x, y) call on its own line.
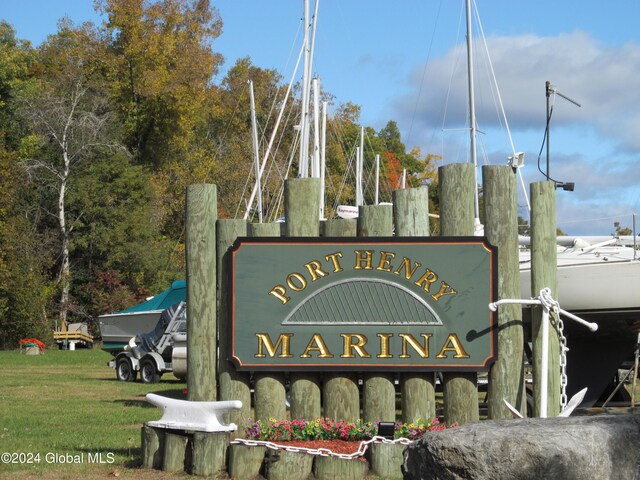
point(363, 301)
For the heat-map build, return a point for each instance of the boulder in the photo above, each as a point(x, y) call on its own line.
point(576, 448)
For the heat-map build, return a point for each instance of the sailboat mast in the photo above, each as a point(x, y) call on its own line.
point(303, 163)
point(377, 200)
point(256, 154)
point(323, 161)
point(315, 157)
point(472, 110)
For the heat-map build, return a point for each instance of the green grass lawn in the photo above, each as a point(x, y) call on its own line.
point(68, 405)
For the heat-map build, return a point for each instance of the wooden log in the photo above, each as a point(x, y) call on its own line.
point(341, 396)
point(286, 465)
point(457, 194)
point(411, 218)
point(544, 260)
point(331, 468)
point(411, 212)
point(152, 447)
point(175, 452)
point(418, 397)
point(386, 460)
point(201, 218)
point(340, 391)
point(506, 377)
point(269, 388)
point(209, 453)
point(302, 207)
point(245, 462)
point(375, 221)
point(378, 395)
point(340, 227)
point(233, 385)
point(302, 211)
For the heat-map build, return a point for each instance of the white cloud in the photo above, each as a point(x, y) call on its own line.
point(603, 79)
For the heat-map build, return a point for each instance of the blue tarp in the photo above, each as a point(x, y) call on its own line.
point(177, 293)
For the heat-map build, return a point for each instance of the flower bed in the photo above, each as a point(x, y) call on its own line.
point(328, 429)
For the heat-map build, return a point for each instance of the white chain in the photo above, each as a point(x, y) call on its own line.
point(563, 364)
point(554, 306)
point(323, 452)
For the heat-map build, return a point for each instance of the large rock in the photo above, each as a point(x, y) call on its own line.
point(576, 448)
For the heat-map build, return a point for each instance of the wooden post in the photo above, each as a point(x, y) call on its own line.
point(270, 393)
point(209, 453)
point(457, 194)
point(411, 218)
point(245, 462)
point(202, 212)
point(506, 377)
point(233, 385)
point(379, 394)
point(340, 392)
point(175, 452)
point(302, 213)
point(152, 447)
point(544, 261)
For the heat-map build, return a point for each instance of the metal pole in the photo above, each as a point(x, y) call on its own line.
point(548, 126)
point(256, 154)
point(303, 162)
point(377, 178)
point(544, 374)
point(472, 114)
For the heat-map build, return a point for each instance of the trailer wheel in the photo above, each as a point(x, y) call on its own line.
point(124, 370)
point(148, 371)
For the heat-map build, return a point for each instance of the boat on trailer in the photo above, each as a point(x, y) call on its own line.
point(118, 328)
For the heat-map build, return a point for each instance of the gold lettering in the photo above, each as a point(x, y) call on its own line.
point(336, 263)
point(443, 291)
point(278, 291)
point(366, 258)
point(452, 344)
point(349, 346)
point(385, 265)
point(408, 271)
point(384, 345)
point(300, 278)
point(407, 338)
point(320, 346)
point(427, 279)
point(314, 269)
point(283, 343)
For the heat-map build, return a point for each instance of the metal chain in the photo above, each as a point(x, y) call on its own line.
point(554, 306)
point(323, 452)
point(563, 364)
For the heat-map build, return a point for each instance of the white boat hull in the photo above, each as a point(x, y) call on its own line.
point(605, 287)
point(118, 328)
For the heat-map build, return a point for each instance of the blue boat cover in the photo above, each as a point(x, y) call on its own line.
point(177, 293)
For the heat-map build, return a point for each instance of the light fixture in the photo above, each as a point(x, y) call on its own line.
point(386, 430)
point(566, 186)
point(516, 160)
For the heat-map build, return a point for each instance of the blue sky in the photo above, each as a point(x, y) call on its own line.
point(404, 61)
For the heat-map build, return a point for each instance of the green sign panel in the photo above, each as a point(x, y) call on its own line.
point(392, 304)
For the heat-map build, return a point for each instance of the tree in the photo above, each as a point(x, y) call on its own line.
point(24, 288)
point(620, 230)
point(69, 116)
point(159, 70)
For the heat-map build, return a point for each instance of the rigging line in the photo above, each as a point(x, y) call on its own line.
point(493, 77)
point(266, 156)
point(611, 217)
point(453, 70)
point(497, 92)
point(424, 73)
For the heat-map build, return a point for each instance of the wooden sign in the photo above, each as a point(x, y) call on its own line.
point(393, 304)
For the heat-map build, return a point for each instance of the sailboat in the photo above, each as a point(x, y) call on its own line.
point(598, 280)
